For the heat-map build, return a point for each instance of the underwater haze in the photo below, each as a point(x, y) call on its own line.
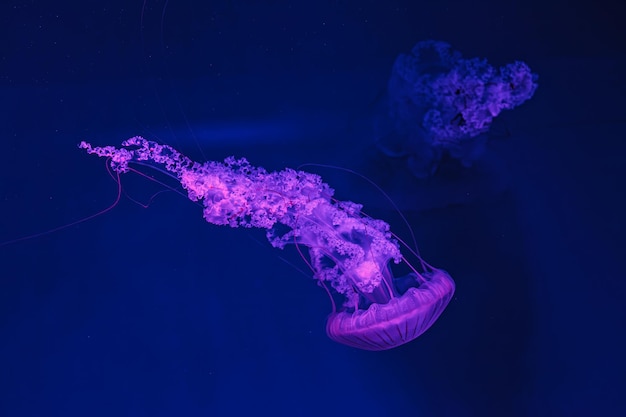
point(140, 307)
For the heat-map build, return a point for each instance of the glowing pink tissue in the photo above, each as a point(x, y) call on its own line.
point(348, 250)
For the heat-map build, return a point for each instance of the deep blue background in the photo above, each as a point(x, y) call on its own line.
point(153, 312)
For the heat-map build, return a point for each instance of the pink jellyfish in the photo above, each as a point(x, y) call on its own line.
point(348, 250)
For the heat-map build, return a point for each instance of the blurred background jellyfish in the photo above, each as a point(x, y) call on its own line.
point(348, 251)
point(440, 105)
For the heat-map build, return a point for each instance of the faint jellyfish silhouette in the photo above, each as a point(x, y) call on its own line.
point(440, 105)
point(348, 250)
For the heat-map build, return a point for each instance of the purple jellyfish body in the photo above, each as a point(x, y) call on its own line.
point(397, 319)
point(440, 105)
point(348, 250)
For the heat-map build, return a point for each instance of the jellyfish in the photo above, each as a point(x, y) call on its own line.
point(440, 105)
point(348, 250)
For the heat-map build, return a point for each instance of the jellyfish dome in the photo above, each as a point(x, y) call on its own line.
point(396, 319)
point(348, 251)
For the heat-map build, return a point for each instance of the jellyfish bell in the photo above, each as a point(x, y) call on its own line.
point(398, 318)
point(380, 311)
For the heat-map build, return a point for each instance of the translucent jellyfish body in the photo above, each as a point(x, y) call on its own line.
point(441, 105)
point(348, 251)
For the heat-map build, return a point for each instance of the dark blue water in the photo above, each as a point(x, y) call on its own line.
point(154, 312)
